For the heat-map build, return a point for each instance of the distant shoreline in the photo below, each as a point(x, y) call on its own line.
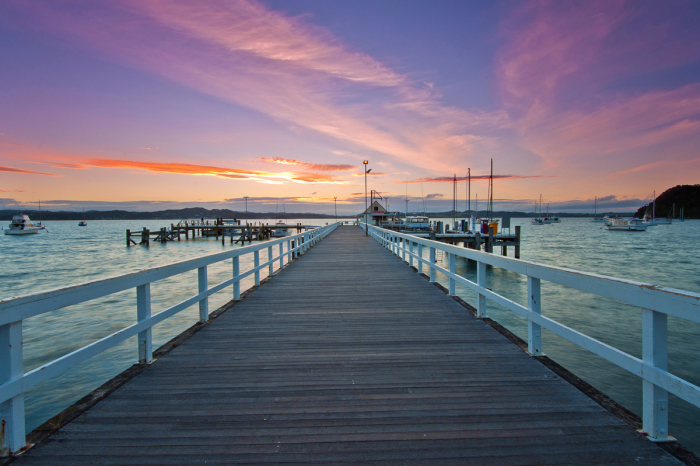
point(198, 213)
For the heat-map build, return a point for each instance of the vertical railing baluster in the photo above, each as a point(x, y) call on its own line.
point(534, 331)
point(256, 264)
point(420, 258)
point(270, 267)
point(403, 249)
point(451, 282)
point(204, 303)
point(143, 311)
point(432, 265)
point(12, 410)
point(236, 272)
point(481, 281)
point(655, 353)
point(281, 254)
point(410, 253)
point(289, 251)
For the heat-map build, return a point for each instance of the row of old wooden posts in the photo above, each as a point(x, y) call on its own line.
point(220, 227)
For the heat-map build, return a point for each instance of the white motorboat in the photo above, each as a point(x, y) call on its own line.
point(417, 223)
point(626, 224)
point(281, 230)
point(21, 225)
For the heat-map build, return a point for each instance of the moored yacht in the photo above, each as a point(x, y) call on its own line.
point(281, 230)
point(626, 224)
point(21, 225)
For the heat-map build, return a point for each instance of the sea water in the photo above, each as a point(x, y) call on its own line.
point(663, 255)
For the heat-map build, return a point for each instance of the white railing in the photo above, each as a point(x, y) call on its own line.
point(14, 382)
point(657, 303)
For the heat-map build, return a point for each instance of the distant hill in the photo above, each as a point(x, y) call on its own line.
point(174, 214)
point(686, 196)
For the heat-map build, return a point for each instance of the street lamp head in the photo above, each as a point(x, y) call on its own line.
point(369, 170)
point(366, 162)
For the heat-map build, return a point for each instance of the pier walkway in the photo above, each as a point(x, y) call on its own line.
point(347, 356)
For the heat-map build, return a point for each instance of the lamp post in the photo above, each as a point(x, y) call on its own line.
point(366, 207)
point(335, 201)
point(246, 209)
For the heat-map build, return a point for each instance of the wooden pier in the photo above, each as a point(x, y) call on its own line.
point(489, 241)
point(215, 228)
point(346, 356)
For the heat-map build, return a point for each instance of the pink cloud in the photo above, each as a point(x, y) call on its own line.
point(298, 74)
point(561, 69)
point(312, 166)
point(24, 172)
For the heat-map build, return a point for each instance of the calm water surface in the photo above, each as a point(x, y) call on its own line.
point(68, 254)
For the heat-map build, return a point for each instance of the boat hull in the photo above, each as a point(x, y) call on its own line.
point(26, 231)
point(627, 227)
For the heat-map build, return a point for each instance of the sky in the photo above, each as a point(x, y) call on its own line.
point(148, 105)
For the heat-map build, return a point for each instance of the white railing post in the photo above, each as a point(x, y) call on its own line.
point(432, 265)
point(236, 272)
point(204, 303)
point(420, 258)
point(410, 253)
point(403, 249)
point(281, 254)
point(481, 281)
point(289, 251)
point(270, 267)
point(11, 367)
point(655, 353)
point(534, 331)
point(256, 264)
point(143, 311)
point(451, 282)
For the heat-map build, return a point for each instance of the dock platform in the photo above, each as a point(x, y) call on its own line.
point(346, 356)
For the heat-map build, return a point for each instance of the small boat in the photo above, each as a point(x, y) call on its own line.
point(21, 225)
point(417, 223)
point(626, 224)
point(83, 223)
point(595, 212)
point(281, 230)
point(539, 220)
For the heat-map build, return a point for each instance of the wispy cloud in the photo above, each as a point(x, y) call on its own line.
point(23, 171)
point(569, 72)
point(297, 73)
point(224, 172)
point(326, 167)
point(450, 179)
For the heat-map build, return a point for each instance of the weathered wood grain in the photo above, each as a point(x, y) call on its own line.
point(347, 357)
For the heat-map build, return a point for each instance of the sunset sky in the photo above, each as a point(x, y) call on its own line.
point(154, 104)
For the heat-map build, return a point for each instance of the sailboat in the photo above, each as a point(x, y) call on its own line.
point(681, 218)
point(595, 212)
point(83, 223)
point(281, 228)
point(651, 220)
point(539, 220)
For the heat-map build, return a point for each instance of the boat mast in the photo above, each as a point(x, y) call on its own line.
point(454, 200)
point(469, 191)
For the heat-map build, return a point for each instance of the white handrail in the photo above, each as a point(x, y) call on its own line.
point(14, 382)
point(657, 302)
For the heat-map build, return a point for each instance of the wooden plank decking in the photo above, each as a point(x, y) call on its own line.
point(347, 357)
